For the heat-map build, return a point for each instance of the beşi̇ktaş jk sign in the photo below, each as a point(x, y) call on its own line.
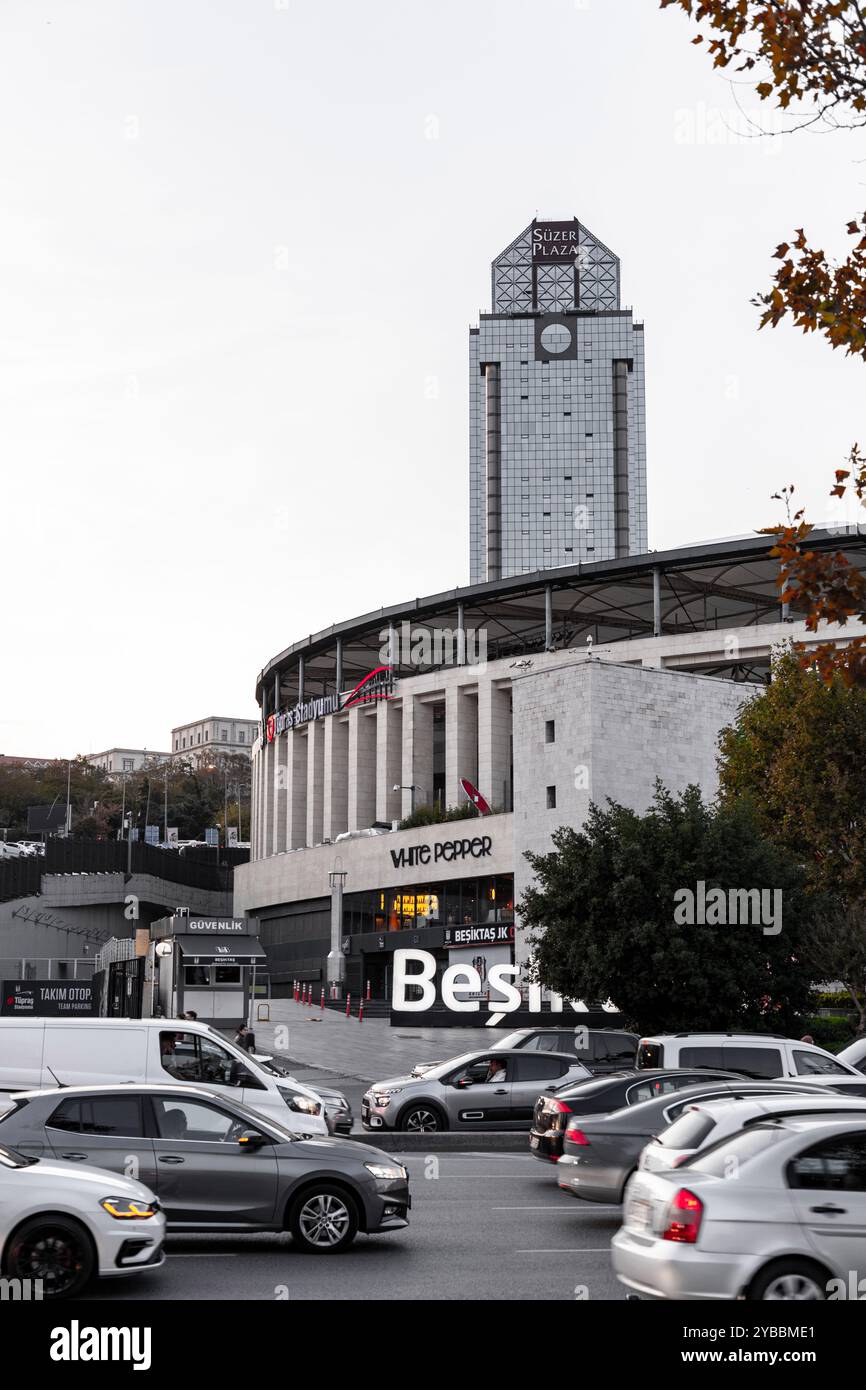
point(458, 980)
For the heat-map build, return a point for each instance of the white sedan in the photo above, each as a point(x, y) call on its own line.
point(61, 1226)
point(706, 1122)
point(775, 1212)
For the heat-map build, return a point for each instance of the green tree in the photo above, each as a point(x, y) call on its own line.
point(809, 58)
point(797, 753)
point(602, 918)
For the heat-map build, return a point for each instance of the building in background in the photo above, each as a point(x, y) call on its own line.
point(584, 684)
point(118, 761)
point(557, 415)
point(208, 740)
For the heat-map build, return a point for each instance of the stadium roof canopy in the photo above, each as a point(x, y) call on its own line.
point(716, 585)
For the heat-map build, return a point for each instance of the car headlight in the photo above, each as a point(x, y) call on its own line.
point(304, 1104)
point(382, 1097)
point(386, 1171)
point(128, 1209)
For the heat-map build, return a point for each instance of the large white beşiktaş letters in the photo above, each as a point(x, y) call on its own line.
point(456, 980)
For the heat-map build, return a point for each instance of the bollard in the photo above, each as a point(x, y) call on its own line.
point(348, 1004)
point(368, 989)
point(322, 1005)
point(361, 1011)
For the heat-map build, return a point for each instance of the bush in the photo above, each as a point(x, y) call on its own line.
point(833, 1033)
point(437, 815)
point(837, 999)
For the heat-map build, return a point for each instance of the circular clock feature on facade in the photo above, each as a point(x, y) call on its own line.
point(556, 338)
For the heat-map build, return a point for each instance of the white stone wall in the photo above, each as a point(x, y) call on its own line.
point(617, 728)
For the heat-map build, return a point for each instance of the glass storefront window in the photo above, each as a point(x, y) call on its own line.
point(418, 906)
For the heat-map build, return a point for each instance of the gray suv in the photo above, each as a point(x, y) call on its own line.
point(493, 1089)
point(602, 1050)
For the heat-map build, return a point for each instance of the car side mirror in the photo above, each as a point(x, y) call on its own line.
point(251, 1139)
point(463, 1081)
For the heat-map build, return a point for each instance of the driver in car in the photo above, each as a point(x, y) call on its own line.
point(495, 1070)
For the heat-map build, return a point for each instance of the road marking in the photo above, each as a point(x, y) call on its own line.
point(577, 1250)
point(548, 1207)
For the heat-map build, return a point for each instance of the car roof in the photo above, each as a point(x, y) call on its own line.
point(719, 1033)
point(572, 1026)
point(519, 1052)
point(793, 1100)
point(806, 1122)
point(175, 1025)
point(119, 1088)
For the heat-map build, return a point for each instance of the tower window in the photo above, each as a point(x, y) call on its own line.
point(551, 798)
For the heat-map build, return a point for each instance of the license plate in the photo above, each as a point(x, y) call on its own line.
point(534, 1141)
point(640, 1214)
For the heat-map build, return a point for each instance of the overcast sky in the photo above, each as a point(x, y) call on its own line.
point(242, 244)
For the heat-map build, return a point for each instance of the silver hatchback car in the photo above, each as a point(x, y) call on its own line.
point(775, 1212)
point(490, 1089)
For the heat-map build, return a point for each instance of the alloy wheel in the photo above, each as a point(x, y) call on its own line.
point(324, 1219)
point(52, 1256)
point(422, 1122)
point(793, 1288)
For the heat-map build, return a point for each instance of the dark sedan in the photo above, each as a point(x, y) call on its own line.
point(214, 1164)
point(600, 1096)
point(602, 1151)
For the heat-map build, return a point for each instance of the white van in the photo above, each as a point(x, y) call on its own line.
point(89, 1051)
point(764, 1056)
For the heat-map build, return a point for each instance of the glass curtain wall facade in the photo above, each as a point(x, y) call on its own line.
point(557, 414)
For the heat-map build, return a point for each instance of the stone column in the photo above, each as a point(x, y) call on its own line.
point(336, 803)
point(280, 746)
point(315, 780)
point(362, 767)
point(389, 759)
point(268, 791)
point(494, 743)
point(296, 789)
point(461, 741)
point(417, 752)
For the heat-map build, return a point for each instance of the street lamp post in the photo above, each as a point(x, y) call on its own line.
point(336, 956)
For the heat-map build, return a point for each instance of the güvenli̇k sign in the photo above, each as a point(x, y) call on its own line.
point(458, 980)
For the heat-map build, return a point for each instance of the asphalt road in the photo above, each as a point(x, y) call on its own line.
point(482, 1227)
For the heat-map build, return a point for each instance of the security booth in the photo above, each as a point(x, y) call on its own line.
point(208, 965)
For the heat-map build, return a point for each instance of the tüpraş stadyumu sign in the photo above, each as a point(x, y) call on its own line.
point(377, 685)
point(47, 999)
point(555, 241)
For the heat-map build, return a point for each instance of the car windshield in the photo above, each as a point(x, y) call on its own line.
point(257, 1121)
point(510, 1040)
point(11, 1158)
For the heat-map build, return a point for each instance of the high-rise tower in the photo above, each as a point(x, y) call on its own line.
point(557, 418)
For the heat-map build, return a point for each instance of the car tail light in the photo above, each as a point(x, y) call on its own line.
point(573, 1135)
point(559, 1107)
point(684, 1218)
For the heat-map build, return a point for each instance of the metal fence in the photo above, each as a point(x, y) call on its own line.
point(47, 967)
point(22, 877)
point(19, 878)
point(64, 856)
